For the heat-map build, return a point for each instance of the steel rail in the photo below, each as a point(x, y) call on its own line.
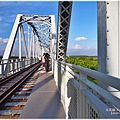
point(4, 80)
point(10, 91)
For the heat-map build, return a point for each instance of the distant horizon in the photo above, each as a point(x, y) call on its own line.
point(83, 55)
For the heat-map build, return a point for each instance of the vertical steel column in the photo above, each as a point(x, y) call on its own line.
point(108, 38)
point(113, 41)
point(113, 33)
point(33, 44)
point(41, 50)
point(64, 15)
point(38, 48)
point(109, 41)
point(29, 41)
point(53, 39)
point(24, 41)
point(102, 38)
point(20, 43)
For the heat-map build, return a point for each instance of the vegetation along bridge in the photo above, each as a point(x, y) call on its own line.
point(61, 92)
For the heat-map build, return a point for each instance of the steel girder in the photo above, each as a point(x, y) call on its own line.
point(11, 41)
point(40, 35)
point(64, 15)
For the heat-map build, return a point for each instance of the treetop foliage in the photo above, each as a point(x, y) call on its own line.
point(90, 62)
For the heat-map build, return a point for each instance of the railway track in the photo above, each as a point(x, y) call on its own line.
point(15, 91)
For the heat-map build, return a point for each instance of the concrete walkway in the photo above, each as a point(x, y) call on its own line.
point(44, 101)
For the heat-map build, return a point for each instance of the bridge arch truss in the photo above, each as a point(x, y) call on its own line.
point(39, 38)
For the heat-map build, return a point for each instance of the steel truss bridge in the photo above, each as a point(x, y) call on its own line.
point(86, 99)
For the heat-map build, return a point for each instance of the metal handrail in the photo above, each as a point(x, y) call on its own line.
point(107, 79)
point(10, 66)
point(87, 95)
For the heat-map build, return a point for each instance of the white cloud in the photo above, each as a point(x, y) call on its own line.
point(80, 38)
point(5, 24)
point(0, 19)
point(4, 41)
point(76, 46)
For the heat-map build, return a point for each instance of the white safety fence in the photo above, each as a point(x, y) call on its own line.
point(13, 65)
point(83, 99)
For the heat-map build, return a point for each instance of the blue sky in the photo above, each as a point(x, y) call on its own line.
point(83, 29)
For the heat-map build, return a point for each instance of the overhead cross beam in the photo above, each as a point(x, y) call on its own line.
point(64, 15)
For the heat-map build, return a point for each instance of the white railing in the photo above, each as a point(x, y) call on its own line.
point(13, 65)
point(83, 99)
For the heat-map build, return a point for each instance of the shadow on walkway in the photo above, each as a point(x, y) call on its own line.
point(44, 101)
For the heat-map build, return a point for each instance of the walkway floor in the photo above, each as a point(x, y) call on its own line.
point(44, 101)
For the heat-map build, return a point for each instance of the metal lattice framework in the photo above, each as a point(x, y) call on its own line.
point(40, 38)
point(41, 35)
point(64, 15)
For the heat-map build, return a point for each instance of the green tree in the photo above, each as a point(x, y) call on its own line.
point(90, 62)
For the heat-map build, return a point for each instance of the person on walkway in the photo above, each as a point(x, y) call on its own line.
point(47, 59)
point(43, 61)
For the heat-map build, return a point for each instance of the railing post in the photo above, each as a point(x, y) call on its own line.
point(62, 82)
point(2, 68)
point(8, 67)
point(59, 77)
point(56, 72)
point(82, 99)
point(17, 65)
point(23, 62)
point(67, 98)
point(28, 62)
point(31, 60)
point(20, 63)
point(12, 66)
point(34, 60)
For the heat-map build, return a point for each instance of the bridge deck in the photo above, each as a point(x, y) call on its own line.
point(44, 101)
